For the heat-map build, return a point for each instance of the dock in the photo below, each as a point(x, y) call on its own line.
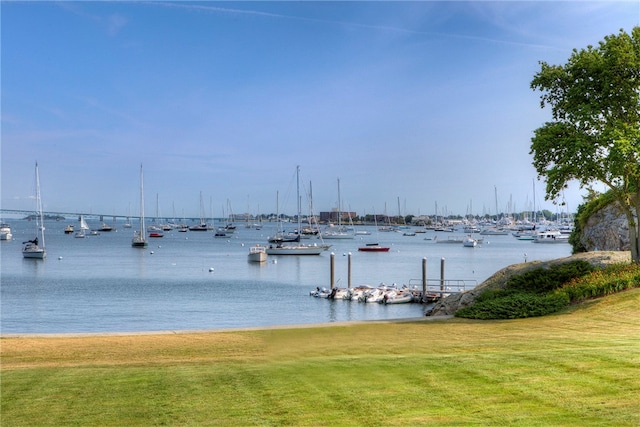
point(423, 290)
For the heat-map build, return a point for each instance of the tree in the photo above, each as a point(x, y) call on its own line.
point(595, 132)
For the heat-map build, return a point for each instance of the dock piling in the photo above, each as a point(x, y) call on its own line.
point(333, 268)
point(424, 279)
point(442, 274)
point(349, 272)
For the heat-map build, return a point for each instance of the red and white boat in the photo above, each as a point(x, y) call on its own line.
point(373, 247)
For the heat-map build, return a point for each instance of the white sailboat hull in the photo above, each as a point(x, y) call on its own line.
point(329, 235)
point(296, 250)
point(34, 251)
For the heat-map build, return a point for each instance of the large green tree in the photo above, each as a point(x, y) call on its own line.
point(595, 132)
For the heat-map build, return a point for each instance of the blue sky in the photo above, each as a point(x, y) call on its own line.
point(423, 102)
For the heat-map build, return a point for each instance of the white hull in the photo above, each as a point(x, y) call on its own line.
point(402, 298)
point(328, 236)
point(551, 237)
point(5, 235)
point(34, 252)
point(257, 254)
point(470, 243)
point(296, 250)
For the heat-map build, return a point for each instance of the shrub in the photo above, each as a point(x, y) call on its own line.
point(543, 280)
point(529, 294)
point(515, 305)
point(612, 279)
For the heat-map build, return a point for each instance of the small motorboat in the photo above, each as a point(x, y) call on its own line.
point(257, 253)
point(470, 242)
point(400, 297)
point(373, 247)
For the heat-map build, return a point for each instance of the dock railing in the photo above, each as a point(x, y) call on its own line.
point(434, 289)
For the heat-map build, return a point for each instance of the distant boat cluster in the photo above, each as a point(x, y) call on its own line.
point(469, 235)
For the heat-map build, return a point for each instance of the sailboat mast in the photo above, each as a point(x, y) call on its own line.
point(298, 197)
point(339, 208)
point(142, 227)
point(39, 207)
point(495, 192)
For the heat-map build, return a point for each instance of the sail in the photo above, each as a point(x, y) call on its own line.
point(83, 223)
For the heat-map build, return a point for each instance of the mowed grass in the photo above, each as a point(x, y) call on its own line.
point(579, 367)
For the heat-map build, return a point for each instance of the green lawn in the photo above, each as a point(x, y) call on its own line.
point(580, 367)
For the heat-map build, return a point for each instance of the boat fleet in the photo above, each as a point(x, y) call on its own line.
point(382, 294)
point(290, 244)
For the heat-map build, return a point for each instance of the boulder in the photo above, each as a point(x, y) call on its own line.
point(606, 230)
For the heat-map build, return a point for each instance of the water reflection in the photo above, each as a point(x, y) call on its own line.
point(33, 267)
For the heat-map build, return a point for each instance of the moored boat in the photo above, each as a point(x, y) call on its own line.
point(397, 297)
point(200, 227)
point(299, 249)
point(139, 240)
point(5, 231)
point(470, 242)
point(36, 248)
point(373, 247)
point(257, 253)
point(296, 248)
point(551, 236)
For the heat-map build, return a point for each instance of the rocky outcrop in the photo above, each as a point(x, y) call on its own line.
point(449, 305)
point(606, 230)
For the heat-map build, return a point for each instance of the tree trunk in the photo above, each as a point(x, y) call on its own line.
point(634, 227)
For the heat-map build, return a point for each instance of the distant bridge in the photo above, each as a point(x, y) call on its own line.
point(101, 217)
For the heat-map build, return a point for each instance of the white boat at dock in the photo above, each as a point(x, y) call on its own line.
point(397, 297)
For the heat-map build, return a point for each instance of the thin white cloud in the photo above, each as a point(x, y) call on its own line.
point(351, 24)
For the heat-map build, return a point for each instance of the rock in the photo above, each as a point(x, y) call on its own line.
point(606, 230)
point(449, 305)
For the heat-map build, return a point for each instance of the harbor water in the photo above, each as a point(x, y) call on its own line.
point(195, 281)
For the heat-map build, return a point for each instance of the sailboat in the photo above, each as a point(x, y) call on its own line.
point(297, 248)
point(139, 240)
point(36, 248)
point(280, 236)
point(203, 224)
point(127, 223)
point(375, 246)
point(83, 228)
point(341, 232)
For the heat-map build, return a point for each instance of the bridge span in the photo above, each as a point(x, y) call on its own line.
point(63, 216)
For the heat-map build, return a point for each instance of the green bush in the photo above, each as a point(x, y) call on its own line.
point(543, 280)
point(529, 294)
point(515, 305)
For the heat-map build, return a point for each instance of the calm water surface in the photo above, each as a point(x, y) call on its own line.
point(193, 281)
